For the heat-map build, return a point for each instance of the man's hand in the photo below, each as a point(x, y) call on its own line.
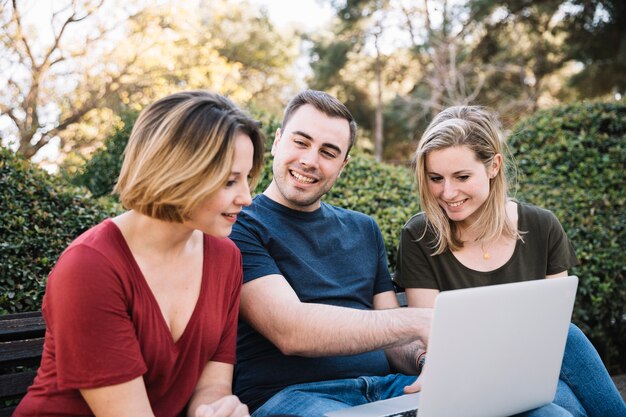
point(228, 406)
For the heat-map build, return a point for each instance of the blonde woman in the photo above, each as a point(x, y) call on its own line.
point(141, 310)
point(472, 234)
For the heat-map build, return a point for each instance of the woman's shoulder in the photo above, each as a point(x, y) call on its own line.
point(418, 228)
point(103, 241)
point(95, 262)
point(531, 214)
point(417, 223)
point(221, 248)
point(96, 234)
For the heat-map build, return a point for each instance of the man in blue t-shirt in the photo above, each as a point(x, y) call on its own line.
point(320, 324)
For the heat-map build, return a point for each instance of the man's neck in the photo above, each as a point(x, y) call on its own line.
point(273, 193)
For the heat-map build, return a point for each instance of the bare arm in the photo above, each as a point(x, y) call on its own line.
point(402, 358)
point(421, 297)
point(213, 394)
point(271, 306)
point(128, 399)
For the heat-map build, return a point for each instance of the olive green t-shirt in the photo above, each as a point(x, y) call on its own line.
point(545, 250)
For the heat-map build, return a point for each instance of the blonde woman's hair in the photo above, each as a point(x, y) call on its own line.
point(479, 129)
point(180, 152)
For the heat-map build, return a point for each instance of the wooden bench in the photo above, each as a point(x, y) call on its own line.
point(401, 296)
point(21, 345)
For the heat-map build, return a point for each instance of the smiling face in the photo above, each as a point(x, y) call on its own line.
point(216, 214)
point(459, 181)
point(309, 154)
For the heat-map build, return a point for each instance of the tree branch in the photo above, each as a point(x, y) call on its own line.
point(17, 19)
point(4, 109)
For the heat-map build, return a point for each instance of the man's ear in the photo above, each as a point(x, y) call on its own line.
point(277, 136)
point(345, 162)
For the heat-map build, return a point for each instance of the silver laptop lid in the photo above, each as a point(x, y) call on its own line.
point(493, 351)
point(497, 350)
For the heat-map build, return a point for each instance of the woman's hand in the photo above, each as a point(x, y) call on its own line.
point(213, 395)
point(228, 406)
point(417, 385)
point(414, 387)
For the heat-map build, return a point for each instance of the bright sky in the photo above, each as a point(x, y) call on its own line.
point(308, 13)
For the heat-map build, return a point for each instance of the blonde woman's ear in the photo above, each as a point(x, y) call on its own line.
point(496, 164)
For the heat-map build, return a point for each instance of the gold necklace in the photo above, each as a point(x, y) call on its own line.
point(486, 254)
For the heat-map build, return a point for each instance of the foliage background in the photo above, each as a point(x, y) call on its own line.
point(571, 160)
point(39, 215)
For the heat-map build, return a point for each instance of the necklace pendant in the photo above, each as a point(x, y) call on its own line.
point(486, 256)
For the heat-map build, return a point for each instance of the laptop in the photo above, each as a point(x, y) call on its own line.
point(494, 351)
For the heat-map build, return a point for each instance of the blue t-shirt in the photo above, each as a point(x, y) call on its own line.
point(329, 256)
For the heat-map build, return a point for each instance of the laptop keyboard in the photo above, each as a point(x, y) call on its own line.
point(408, 413)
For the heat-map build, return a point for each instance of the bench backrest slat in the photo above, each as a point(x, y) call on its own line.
point(21, 346)
point(13, 327)
point(401, 296)
point(7, 412)
point(21, 352)
point(15, 385)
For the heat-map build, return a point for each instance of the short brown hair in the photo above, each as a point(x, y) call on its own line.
point(180, 152)
point(325, 103)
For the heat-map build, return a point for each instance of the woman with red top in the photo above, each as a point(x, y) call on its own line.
point(141, 310)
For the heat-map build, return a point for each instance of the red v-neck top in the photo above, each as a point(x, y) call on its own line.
point(104, 327)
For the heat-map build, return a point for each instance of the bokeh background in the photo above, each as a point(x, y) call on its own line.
point(75, 73)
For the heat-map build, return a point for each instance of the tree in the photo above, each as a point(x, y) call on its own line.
point(73, 88)
point(417, 53)
point(595, 37)
point(587, 33)
point(519, 42)
point(516, 56)
point(358, 64)
point(41, 72)
point(441, 40)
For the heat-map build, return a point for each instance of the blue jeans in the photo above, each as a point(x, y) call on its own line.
point(585, 389)
point(585, 374)
point(317, 398)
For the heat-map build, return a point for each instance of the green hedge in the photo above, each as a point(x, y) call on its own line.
point(39, 217)
point(100, 173)
point(572, 160)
